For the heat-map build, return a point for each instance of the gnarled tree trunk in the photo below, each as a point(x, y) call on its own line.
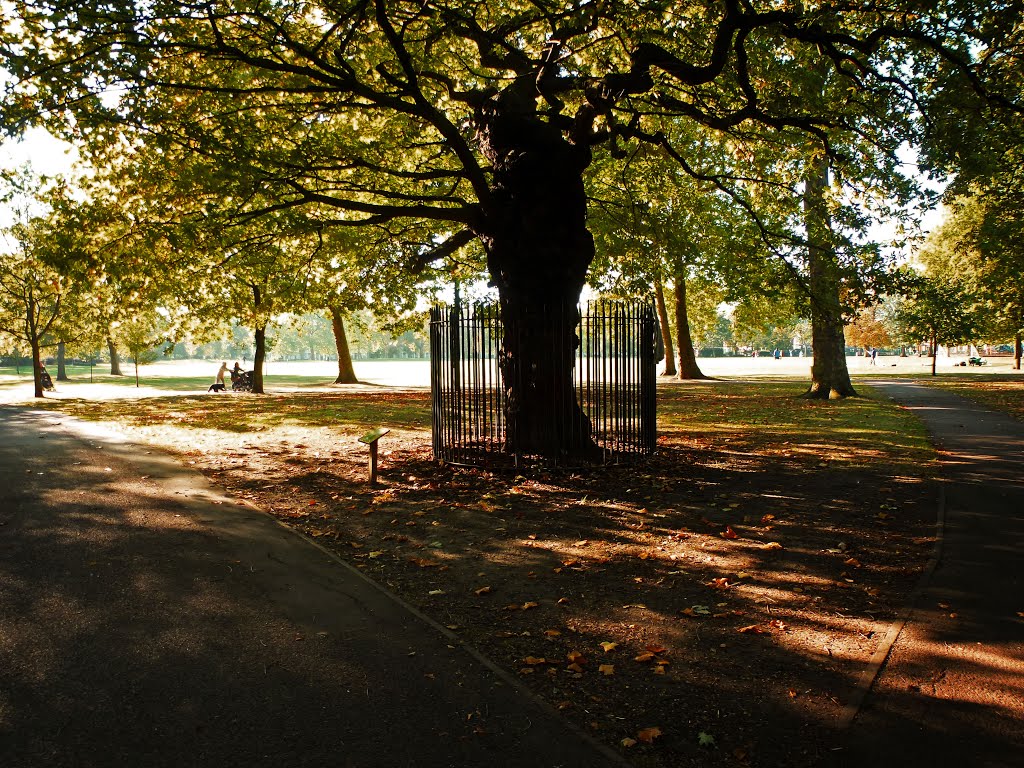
point(538, 250)
point(688, 368)
point(665, 330)
point(346, 371)
point(830, 377)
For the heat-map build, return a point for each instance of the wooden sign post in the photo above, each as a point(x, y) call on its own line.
point(371, 438)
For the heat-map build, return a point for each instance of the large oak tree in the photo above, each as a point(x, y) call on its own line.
point(483, 117)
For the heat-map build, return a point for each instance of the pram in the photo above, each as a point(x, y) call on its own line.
point(242, 382)
point(44, 377)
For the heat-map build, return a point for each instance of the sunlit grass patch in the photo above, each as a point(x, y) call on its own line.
point(770, 417)
point(1001, 392)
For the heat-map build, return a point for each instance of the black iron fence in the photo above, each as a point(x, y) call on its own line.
point(478, 415)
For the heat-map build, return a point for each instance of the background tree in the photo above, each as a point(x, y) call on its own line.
point(939, 312)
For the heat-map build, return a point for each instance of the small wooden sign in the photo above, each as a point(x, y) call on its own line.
point(371, 438)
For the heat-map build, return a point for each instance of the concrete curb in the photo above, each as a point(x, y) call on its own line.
point(867, 678)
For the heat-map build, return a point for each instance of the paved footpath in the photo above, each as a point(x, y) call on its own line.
point(147, 620)
point(952, 690)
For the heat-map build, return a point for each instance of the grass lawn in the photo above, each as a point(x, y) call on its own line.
point(732, 586)
point(998, 391)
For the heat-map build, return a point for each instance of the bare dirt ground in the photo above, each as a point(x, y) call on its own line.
point(712, 606)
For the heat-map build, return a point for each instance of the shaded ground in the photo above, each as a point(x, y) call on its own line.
point(713, 606)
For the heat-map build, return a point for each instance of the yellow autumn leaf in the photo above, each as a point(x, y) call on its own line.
point(534, 660)
point(552, 632)
point(482, 591)
point(773, 545)
point(609, 647)
point(526, 606)
point(606, 669)
point(646, 656)
point(628, 742)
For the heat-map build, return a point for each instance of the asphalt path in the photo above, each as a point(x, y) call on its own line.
point(951, 692)
point(148, 620)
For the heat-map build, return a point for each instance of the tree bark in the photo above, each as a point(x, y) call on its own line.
point(346, 371)
point(688, 368)
point(1018, 351)
point(666, 330)
point(830, 376)
point(538, 251)
point(935, 353)
point(115, 360)
point(37, 375)
point(62, 369)
point(260, 336)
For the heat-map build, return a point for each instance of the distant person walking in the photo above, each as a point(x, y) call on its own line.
point(777, 354)
point(874, 354)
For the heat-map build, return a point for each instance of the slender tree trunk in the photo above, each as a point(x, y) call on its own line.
point(1018, 351)
point(346, 371)
point(115, 360)
point(62, 369)
point(666, 329)
point(830, 377)
point(260, 335)
point(538, 249)
point(935, 353)
point(135, 360)
point(37, 375)
point(688, 368)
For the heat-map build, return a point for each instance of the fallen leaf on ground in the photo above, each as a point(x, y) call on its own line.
point(528, 605)
point(576, 657)
point(644, 657)
point(729, 533)
point(628, 742)
point(655, 648)
point(482, 591)
point(705, 739)
point(424, 562)
point(608, 647)
point(720, 583)
point(853, 562)
point(648, 735)
point(752, 629)
point(534, 660)
point(552, 632)
point(773, 545)
point(606, 669)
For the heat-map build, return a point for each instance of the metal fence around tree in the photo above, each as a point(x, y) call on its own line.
point(613, 378)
